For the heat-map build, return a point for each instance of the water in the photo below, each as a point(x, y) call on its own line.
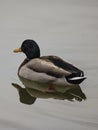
point(65, 28)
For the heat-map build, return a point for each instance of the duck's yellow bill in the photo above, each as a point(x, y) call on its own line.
point(17, 50)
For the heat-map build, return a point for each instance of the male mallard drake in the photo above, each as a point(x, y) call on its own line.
point(46, 73)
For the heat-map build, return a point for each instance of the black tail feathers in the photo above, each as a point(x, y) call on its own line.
point(76, 78)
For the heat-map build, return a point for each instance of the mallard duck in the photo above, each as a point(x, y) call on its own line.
point(46, 73)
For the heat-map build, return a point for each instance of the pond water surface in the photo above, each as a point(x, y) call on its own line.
point(67, 28)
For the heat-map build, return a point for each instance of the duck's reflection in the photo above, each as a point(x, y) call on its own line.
point(28, 95)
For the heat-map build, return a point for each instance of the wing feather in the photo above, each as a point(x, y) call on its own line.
point(46, 66)
point(57, 61)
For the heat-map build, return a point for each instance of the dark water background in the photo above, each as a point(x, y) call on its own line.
point(67, 28)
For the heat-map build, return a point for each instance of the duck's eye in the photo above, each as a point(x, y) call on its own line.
point(25, 49)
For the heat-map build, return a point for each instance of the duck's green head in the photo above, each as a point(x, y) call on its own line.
point(30, 48)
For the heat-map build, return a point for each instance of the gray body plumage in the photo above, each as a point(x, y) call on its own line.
point(39, 73)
